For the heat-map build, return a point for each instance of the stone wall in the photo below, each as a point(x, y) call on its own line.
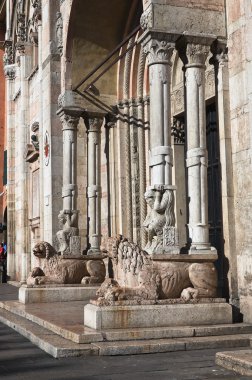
point(240, 73)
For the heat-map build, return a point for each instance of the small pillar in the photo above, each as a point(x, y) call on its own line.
point(197, 158)
point(94, 124)
point(163, 238)
point(68, 235)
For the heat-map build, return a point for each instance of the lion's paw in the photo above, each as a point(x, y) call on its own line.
point(189, 293)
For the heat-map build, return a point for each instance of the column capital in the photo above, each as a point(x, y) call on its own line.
point(220, 53)
point(70, 117)
point(158, 47)
point(93, 121)
point(197, 54)
point(193, 50)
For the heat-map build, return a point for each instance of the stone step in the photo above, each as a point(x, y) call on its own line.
point(238, 361)
point(49, 342)
point(168, 345)
point(77, 333)
point(176, 332)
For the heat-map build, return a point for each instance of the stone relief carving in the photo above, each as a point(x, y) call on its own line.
point(57, 270)
point(59, 32)
point(146, 20)
point(8, 53)
point(178, 131)
point(210, 83)
point(138, 278)
point(21, 24)
point(161, 215)
point(10, 71)
point(68, 224)
point(35, 135)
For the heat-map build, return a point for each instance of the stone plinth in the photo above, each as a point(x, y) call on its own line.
point(118, 317)
point(56, 293)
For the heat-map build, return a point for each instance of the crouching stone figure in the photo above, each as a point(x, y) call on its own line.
point(138, 277)
point(57, 270)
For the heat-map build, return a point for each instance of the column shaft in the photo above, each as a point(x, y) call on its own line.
point(94, 183)
point(196, 147)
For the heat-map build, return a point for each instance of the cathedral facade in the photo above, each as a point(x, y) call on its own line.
point(112, 103)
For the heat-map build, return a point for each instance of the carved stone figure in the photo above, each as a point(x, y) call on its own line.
point(59, 32)
point(160, 215)
point(68, 224)
point(138, 277)
point(35, 135)
point(57, 270)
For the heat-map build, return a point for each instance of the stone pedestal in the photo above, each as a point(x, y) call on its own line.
point(120, 317)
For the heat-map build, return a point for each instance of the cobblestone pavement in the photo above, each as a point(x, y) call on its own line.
point(21, 360)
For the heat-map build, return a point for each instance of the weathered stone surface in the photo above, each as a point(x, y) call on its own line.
point(138, 277)
point(56, 294)
point(238, 361)
point(112, 317)
point(66, 269)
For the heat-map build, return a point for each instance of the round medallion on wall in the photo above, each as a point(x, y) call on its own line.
point(46, 149)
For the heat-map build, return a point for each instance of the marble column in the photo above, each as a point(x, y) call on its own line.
point(94, 124)
point(68, 217)
point(10, 72)
point(197, 159)
point(159, 49)
point(220, 61)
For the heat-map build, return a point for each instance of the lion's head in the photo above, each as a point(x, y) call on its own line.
point(43, 250)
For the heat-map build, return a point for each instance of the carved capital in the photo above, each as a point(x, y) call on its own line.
point(94, 124)
point(69, 121)
point(159, 51)
point(197, 54)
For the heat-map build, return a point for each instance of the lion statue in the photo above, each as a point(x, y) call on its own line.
point(57, 270)
point(137, 276)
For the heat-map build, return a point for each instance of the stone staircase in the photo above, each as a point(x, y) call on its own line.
point(61, 338)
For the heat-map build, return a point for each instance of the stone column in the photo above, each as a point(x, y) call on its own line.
point(220, 61)
point(22, 227)
point(10, 71)
point(68, 237)
point(160, 195)
point(94, 124)
point(196, 159)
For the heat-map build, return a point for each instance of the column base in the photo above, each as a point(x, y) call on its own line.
point(94, 251)
point(202, 251)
